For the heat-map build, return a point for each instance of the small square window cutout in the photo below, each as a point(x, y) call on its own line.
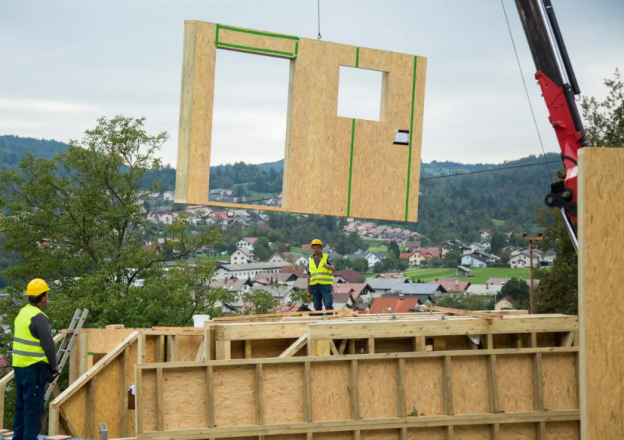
point(401, 137)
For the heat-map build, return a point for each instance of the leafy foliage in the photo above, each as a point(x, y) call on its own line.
point(604, 120)
point(257, 301)
point(262, 249)
point(452, 258)
point(519, 291)
point(467, 302)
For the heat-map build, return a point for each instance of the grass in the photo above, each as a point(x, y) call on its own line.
point(298, 250)
point(480, 275)
point(377, 249)
point(373, 243)
point(498, 222)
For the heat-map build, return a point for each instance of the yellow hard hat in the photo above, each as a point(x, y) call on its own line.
point(316, 241)
point(36, 287)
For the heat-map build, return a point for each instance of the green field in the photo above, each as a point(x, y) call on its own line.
point(377, 249)
point(298, 250)
point(498, 222)
point(480, 276)
point(373, 243)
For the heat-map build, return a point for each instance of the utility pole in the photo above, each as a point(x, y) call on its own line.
point(530, 240)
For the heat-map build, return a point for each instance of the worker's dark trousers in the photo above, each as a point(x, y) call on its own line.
point(322, 295)
point(30, 383)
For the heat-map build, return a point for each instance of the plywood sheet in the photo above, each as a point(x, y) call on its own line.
point(188, 346)
point(378, 390)
point(518, 431)
point(426, 434)
point(102, 340)
point(470, 385)
point(515, 383)
point(234, 399)
point(333, 436)
point(394, 345)
point(560, 381)
point(148, 395)
point(380, 434)
point(75, 409)
point(563, 431)
point(601, 277)
point(271, 348)
point(283, 393)
point(476, 432)
point(254, 41)
point(423, 387)
point(106, 402)
point(184, 398)
point(330, 394)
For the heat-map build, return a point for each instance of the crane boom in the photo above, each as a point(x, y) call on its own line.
point(559, 87)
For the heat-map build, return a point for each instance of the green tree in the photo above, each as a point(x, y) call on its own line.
point(402, 264)
point(80, 207)
point(262, 249)
point(452, 259)
point(435, 262)
point(497, 243)
point(604, 120)
point(468, 302)
point(378, 267)
point(360, 265)
point(505, 256)
point(257, 302)
point(518, 290)
point(390, 262)
point(394, 248)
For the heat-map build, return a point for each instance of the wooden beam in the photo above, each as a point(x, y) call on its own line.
point(73, 374)
point(447, 385)
point(53, 420)
point(450, 433)
point(354, 389)
point(568, 339)
point(493, 383)
point(68, 427)
point(258, 392)
point(247, 343)
point(538, 382)
point(160, 401)
point(351, 346)
point(138, 400)
point(371, 345)
point(83, 342)
point(159, 348)
point(458, 312)
point(541, 430)
point(334, 349)
point(295, 347)
point(403, 434)
point(210, 397)
point(343, 346)
point(401, 406)
point(208, 346)
point(90, 410)
point(223, 350)
point(124, 365)
point(447, 327)
point(307, 392)
point(262, 330)
point(141, 348)
point(419, 343)
point(496, 431)
point(341, 312)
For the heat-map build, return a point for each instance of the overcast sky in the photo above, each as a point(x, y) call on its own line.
point(65, 63)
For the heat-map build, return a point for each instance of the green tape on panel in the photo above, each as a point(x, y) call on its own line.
point(217, 36)
point(409, 159)
point(265, 34)
point(90, 353)
point(350, 168)
point(296, 48)
point(357, 57)
point(257, 49)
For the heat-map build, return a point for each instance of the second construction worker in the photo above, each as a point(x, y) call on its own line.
point(320, 277)
point(34, 357)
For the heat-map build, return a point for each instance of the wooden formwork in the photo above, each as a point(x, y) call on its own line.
point(488, 391)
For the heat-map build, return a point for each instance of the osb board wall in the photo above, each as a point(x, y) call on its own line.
point(235, 399)
point(601, 276)
point(320, 146)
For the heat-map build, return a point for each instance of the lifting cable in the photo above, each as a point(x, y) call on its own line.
point(526, 90)
point(318, 3)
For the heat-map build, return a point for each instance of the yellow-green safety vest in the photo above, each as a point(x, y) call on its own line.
point(27, 349)
point(319, 275)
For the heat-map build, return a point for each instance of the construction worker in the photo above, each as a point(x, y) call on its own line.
point(34, 357)
point(320, 278)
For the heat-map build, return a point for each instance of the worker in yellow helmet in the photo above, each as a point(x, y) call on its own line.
point(320, 278)
point(34, 356)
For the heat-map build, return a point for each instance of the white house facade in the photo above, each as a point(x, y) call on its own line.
point(472, 260)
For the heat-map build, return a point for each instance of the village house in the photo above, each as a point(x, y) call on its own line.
point(486, 234)
point(473, 260)
point(242, 256)
point(285, 257)
point(384, 285)
point(395, 304)
point(268, 279)
point(246, 242)
point(425, 292)
point(162, 216)
point(169, 196)
point(248, 270)
point(349, 275)
point(523, 260)
point(297, 270)
point(453, 285)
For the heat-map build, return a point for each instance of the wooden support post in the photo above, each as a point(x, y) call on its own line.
point(343, 346)
point(223, 350)
point(333, 348)
point(450, 433)
point(160, 401)
point(207, 342)
point(53, 420)
point(172, 348)
point(247, 349)
point(447, 386)
point(518, 338)
point(568, 339)
point(403, 434)
point(419, 343)
point(541, 430)
point(90, 431)
point(124, 363)
point(141, 349)
point(538, 382)
point(307, 392)
point(83, 341)
point(439, 344)
point(351, 346)
point(492, 375)
point(354, 389)
point(356, 434)
point(159, 349)
point(401, 406)
point(371, 345)
point(72, 365)
point(209, 397)
point(2, 391)
point(138, 400)
point(496, 431)
point(258, 392)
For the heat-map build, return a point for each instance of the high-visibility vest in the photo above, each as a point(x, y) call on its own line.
point(319, 275)
point(27, 349)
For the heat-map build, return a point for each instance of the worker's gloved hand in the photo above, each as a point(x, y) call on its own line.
point(52, 375)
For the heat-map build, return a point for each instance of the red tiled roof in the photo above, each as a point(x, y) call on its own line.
point(251, 240)
point(388, 276)
point(429, 252)
point(354, 288)
point(406, 254)
point(297, 270)
point(349, 274)
point(397, 304)
point(450, 286)
point(306, 246)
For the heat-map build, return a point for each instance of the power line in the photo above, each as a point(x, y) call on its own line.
point(269, 198)
point(526, 90)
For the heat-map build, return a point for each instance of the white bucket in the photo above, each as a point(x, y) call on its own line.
point(198, 320)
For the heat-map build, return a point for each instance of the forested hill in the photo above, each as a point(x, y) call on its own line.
point(451, 205)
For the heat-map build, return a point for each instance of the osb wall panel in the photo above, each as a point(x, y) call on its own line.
point(426, 434)
point(102, 340)
point(515, 383)
point(333, 436)
point(476, 432)
point(272, 348)
point(377, 398)
point(563, 431)
point(319, 143)
point(560, 381)
point(188, 346)
point(423, 387)
point(74, 408)
point(106, 402)
point(283, 393)
point(470, 385)
point(234, 400)
point(330, 393)
point(284, 437)
point(381, 434)
point(518, 431)
point(184, 390)
point(394, 345)
point(148, 396)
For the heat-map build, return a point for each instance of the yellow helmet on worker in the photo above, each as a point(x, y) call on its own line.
point(36, 287)
point(316, 241)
